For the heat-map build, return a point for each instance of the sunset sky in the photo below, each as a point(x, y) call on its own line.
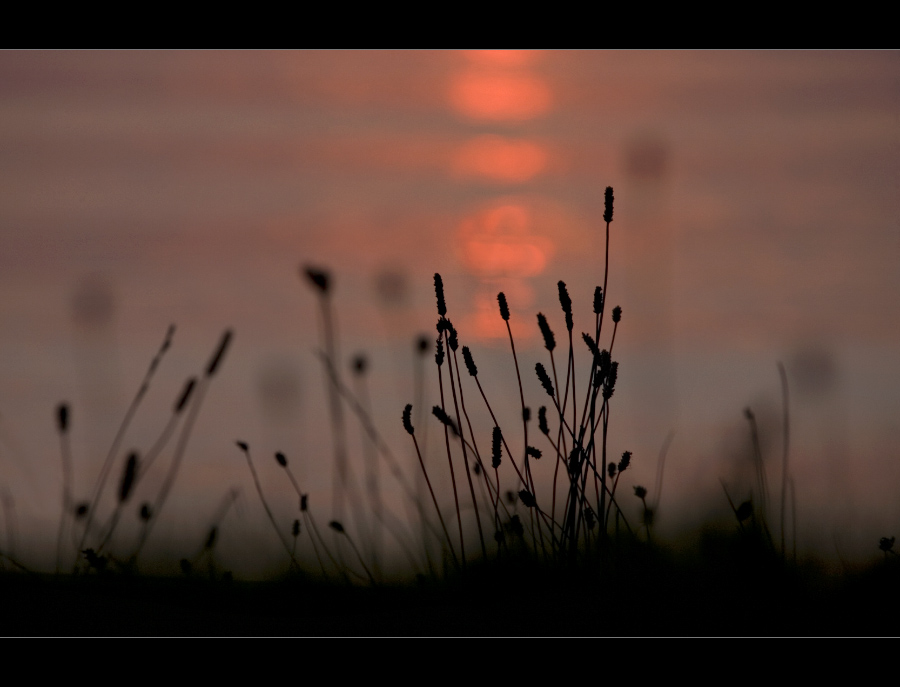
point(757, 221)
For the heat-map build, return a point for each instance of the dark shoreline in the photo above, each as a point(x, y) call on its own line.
point(651, 593)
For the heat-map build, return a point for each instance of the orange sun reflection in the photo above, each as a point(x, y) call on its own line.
point(497, 242)
point(500, 159)
point(499, 95)
point(503, 58)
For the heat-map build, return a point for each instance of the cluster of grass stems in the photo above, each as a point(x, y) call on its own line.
point(86, 541)
point(572, 515)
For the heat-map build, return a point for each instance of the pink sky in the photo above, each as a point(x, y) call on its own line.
point(756, 221)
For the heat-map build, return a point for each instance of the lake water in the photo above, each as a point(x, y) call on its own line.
point(756, 222)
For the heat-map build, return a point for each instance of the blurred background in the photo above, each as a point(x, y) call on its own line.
point(756, 222)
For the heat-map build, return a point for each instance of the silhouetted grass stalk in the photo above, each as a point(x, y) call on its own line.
point(62, 419)
point(181, 446)
point(339, 528)
point(450, 369)
point(359, 367)
point(444, 340)
point(341, 487)
point(786, 432)
point(120, 434)
point(9, 520)
point(144, 466)
point(369, 428)
point(246, 451)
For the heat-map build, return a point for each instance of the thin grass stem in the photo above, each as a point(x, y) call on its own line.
point(464, 452)
point(786, 431)
point(462, 546)
point(246, 451)
point(120, 433)
point(65, 452)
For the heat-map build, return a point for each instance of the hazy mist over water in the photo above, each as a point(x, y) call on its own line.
point(756, 221)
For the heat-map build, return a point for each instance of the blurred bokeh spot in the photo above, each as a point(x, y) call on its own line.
point(391, 286)
point(93, 302)
point(646, 157)
point(813, 371)
point(279, 386)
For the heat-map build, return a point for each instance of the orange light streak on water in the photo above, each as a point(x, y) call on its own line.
point(497, 86)
point(497, 243)
point(500, 159)
point(499, 96)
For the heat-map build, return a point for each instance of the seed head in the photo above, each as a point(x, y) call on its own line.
point(617, 314)
point(533, 452)
point(598, 300)
point(219, 354)
point(610, 385)
point(185, 395)
point(545, 379)
point(611, 469)
point(304, 498)
point(282, 461)
point(62, 417)
point(575, 461)
point(591, 344)
point(445, 419)
point(243, 446)
point(211, 538)
point(318, 278)
point(589, 518)
point(542, 421)
point(470, 364)
point(439, 292)
point(549, 339)
point(495, 448)
point(336, 526)
point(640, 492)
point(81, 510)
point(515, 526)
point(439, 352)
point(407, 422)
point(608, 205)
point(452, 339)
point(504, 308)
point(170, 332)
point(128, 476)
point(146, 512)
point(886, 544)
point(526, 414)
point(295, 530)
point(527, 498)
point(360, 364)
point(604, 363)
point(566, 304)
point(422, 344)
point(623, 464)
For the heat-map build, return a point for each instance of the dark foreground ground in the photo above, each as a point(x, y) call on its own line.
point(731, 591)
